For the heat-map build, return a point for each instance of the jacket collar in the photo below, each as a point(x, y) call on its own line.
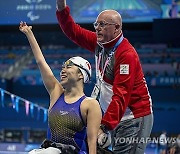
point(112, 42)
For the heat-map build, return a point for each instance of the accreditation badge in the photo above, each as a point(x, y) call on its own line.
point(95, 91)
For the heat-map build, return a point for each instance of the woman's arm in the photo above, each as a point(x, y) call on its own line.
point(94, 116)
point(49, 79)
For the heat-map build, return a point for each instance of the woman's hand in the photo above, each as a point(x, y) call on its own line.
point(23, 27)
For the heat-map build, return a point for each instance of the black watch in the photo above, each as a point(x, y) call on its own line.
point(104, 128)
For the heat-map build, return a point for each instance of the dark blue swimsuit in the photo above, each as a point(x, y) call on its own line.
point(66, 124)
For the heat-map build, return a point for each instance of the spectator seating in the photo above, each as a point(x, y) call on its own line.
point(157, 61)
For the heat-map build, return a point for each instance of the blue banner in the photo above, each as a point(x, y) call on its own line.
point(2, 97)
point(17, 104)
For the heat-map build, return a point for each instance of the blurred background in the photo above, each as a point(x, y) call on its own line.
point(152, 26)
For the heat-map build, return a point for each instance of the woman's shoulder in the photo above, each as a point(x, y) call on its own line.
point(91, 102)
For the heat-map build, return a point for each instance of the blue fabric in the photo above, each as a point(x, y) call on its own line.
point(66, 124)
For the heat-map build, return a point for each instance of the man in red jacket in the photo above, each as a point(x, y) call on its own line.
point(124, 96)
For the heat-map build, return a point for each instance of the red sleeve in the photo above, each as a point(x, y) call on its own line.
point(122, 88)
point(82, 37)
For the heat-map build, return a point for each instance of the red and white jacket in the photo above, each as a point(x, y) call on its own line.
point(124, 93)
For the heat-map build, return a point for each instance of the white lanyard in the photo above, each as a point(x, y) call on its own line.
point(98, 59)
point(99, 75)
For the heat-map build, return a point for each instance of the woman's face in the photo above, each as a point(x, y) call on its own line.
point(70, 74)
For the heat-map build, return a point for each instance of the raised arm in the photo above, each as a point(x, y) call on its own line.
point(50, 82)
point(93, 123)
point(81, 36)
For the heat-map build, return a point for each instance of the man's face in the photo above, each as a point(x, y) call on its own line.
point(105, 29)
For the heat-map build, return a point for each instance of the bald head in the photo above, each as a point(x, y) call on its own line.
point(111, 16)
point(108, 26)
